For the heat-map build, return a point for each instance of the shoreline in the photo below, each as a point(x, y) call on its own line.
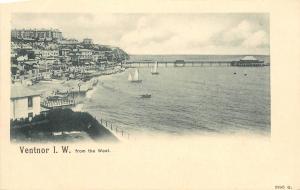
point(46, 88)
point(80, 105)
point(87, 88)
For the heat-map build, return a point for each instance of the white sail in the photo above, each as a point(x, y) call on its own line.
point(154, 68)
point(136, 75)
point(129, 77)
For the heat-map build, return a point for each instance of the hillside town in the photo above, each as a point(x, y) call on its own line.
point(44, 54)
point(49, 73)
point(53, 76)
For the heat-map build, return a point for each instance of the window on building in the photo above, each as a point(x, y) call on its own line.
point(30, 102)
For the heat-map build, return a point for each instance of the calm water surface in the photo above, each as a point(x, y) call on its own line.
point(186, 100)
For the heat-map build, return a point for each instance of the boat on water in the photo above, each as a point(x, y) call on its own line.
point(154, 69)
point(145, 96)
point(135, 77)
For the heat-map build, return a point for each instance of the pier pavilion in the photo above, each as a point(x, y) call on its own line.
point(248, 61)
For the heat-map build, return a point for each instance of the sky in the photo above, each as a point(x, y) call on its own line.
point(161, 33)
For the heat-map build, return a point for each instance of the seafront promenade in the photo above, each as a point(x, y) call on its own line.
point(57, 94)
point(60, 93)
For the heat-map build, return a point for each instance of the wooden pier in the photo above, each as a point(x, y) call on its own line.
point(195, 63)
point(130, 64)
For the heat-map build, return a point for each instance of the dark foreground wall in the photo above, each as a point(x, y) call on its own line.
point(41, 128)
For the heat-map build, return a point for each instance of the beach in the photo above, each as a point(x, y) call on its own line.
point(73, 86)
point(75, 90)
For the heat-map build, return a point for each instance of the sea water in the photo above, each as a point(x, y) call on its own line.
point(186, 100)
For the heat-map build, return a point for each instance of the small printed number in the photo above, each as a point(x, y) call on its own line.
point(283, 187)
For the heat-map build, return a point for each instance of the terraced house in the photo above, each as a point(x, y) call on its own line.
point(37, 34)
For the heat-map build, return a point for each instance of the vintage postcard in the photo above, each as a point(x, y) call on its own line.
point(122, 96)
point(73, 83)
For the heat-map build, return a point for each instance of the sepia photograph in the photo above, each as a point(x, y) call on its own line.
point(120, 77)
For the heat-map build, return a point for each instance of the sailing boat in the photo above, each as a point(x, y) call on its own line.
point(135, 77)
point(129, 77)
point(154, 69)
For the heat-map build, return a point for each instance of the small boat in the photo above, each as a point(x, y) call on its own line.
point(234, 73)
point(245, 74)
point(154, 69)
point(135, 77)
point(146, 96)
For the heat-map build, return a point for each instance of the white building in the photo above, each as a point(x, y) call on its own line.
point(24, 103)
point(98, 55)
point(22, 58)
point(50, 53)
point(64, 52)
point(86, 54)
point(69, 42)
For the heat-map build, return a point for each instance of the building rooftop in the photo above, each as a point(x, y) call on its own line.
point(21, 91)
point(249, 58)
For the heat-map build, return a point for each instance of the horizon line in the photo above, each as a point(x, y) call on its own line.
point(196, 54)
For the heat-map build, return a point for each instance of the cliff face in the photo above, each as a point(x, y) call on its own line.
point(120, 53)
